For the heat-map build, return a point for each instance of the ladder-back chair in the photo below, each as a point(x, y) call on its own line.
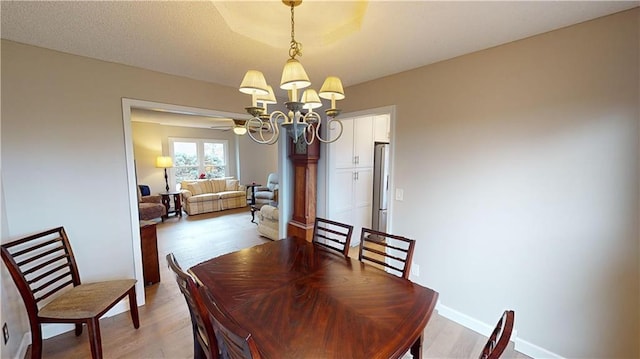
point(387, 251)
point(500, 337)
point(205, 344)
point(45, 272)
point(332, 235)
point(234, 342)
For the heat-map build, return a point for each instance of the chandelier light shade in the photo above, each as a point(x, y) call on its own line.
point(294, 76)
point(298, 125)
point(310, 99)
point(269, 98)
point(254, 83)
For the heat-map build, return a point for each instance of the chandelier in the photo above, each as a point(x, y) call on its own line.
point(263, 127)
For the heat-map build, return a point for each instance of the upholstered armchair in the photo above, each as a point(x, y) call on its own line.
point(150, 207)
point(268, 222)
point(269, 192)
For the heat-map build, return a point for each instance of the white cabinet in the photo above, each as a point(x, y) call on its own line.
point(350, 174)
point(355, 147)
point(381, 128)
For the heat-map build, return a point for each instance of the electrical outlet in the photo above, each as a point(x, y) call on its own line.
point(5, 333)
point(415, 269)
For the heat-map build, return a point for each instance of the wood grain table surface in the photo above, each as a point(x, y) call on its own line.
point(302, 301)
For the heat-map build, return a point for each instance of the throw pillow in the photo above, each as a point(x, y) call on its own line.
point(219, 185)
point(195, 189)
point(232, 185)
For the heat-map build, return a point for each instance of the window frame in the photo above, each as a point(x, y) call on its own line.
point(200, 144)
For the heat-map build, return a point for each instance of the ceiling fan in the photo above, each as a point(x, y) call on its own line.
point(239, 125)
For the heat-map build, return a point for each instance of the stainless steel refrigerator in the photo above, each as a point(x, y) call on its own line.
point(380, 186)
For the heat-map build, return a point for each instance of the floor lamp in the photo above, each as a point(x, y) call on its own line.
point(164, 162)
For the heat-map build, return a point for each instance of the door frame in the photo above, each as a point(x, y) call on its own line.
point(127, 105)
point(324, 177)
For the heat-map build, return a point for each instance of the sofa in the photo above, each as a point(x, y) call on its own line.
point(268, 222)
point(212, 195)
point(269, 192)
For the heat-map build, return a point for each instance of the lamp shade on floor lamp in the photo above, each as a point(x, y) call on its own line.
point(165, 162)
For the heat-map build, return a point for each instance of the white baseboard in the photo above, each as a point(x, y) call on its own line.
point(485, 329)
point(533, 350)
point(24, 345)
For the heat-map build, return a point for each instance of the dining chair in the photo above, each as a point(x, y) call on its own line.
point(332, 235)
point(500, 337)
point(234, 341)
point(205, 344)
point(390, 252)
point(44, 270)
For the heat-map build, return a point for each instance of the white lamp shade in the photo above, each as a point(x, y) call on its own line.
point(254, 83)
point(269, 99)
point(164, 162)
point(332, 86)
point(239, 130)
point(293, 74)
point(311, 99)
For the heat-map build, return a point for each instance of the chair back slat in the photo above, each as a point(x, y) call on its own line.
point(499, 338)
point(332, 235)
point(202, 329)
point(391, 252)
point(47, 273)
point(52, 291)
point(234, 341)
point(41, 264)
point(33, 247)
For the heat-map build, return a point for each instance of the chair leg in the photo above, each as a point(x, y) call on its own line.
point(78, 329)
point(93, 325)
point(133, 307)
point(36, 341)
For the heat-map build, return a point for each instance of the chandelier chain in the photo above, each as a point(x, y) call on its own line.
point(296, 48)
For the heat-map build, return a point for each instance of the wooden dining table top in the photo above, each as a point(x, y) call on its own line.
point(299, 300)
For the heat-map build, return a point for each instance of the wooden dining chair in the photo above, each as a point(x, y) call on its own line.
point(500, 337)
point(390, 252)
point(45, 272)
point(234, 341)
point(205, 344)
point(332, 235)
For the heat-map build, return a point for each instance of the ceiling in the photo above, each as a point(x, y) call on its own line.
point(357, 41)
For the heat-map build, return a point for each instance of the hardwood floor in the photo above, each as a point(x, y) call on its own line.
point(165, 327)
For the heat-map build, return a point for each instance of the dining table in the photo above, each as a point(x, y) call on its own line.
point(299, 300)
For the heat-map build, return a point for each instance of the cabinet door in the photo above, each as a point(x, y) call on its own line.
point(342, 150)
point(381, 128)
point(341, 191)
point(363, 141)
point(363, 187)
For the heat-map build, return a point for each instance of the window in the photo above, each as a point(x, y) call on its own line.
point(193, 157)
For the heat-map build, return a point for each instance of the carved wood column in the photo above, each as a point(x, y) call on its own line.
point(305, 168)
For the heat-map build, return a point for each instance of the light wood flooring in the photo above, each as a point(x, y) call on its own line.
point(165, 328)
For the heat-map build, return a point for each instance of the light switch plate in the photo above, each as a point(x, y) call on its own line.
point(415, 269)
point(399, 194)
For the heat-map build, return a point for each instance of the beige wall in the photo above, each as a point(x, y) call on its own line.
point(519, 166)
point(63, 152)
